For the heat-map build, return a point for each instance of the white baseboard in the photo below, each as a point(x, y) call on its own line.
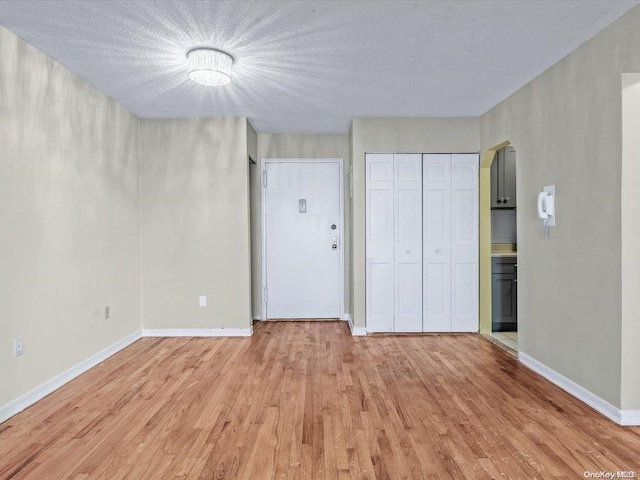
point(356, 331)
point(630, 417)
point(621, 417)
point(359, 332)
point(16, 406)
point(198, 332)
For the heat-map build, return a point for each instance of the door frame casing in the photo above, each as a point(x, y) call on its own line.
point(485, 300)
point(263, 213)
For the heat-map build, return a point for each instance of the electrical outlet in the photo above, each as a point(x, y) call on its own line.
point(106, 312)
point(203, 300)
point(18, 347)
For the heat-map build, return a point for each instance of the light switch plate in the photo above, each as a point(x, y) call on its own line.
point(203, 300)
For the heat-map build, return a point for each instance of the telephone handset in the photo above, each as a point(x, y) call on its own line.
point(546, 205)
point(547, 208)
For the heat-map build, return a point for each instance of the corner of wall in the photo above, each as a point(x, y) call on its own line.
point(630, 254)
point(139, 127)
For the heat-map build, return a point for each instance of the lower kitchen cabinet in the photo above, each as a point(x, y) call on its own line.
point(504, 293)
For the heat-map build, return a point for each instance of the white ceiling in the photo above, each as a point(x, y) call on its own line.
point(309, 67)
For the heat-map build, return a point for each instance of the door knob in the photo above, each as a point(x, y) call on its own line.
point(334, 242)
point(334, 246)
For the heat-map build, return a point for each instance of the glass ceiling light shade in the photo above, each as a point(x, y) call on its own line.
point(209, 67)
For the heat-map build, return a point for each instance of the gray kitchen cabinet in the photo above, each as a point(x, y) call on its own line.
point(503, 179)
point(504, 294)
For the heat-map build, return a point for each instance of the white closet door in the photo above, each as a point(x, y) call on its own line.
point(464, 242)
point(408, 242)
point(437, 243)
point(379, 242)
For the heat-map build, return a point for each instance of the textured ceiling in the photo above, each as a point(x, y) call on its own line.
point(309, 67)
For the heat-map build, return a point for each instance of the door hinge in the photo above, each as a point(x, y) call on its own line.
point(266, 295)
point(264, 178)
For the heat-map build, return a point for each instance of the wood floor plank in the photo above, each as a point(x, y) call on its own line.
point(303, 400)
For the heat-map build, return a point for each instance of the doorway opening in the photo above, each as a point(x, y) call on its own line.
point(499, 247)
point(302, 239)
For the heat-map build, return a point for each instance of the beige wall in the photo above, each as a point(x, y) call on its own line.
point(396, 135)
point(296, 146)
point(566, 128)
point(630, 242)
point(69, 215)
point(195, 223)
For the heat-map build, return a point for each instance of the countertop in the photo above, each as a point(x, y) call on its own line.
point(504, 250)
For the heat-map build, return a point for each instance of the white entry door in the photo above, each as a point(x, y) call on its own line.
point(302, 238)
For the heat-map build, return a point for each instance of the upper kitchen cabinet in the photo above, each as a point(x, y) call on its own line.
point(503, 179)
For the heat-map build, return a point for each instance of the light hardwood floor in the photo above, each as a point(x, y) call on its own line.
point(306, 400)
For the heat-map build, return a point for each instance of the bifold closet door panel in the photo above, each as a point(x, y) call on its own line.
point(464, 242)
point(408, 242)
point(380, 243)
point(436, 194)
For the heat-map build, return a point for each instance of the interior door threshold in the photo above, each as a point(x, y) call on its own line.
point(501, 345)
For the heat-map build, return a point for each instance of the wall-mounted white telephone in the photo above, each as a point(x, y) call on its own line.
point(547, 208)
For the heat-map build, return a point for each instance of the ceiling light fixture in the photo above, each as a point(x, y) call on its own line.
point(209, 67)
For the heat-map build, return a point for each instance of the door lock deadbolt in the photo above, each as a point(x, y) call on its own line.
point(333, 227)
